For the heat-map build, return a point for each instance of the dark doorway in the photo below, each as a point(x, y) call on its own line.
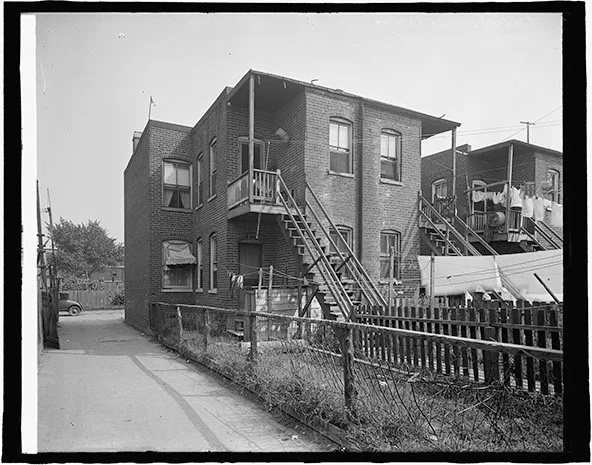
point(250, 259)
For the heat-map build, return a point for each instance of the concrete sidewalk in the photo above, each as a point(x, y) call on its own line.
point(110, 388)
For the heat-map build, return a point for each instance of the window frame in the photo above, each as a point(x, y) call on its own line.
point(398, 157)
point(338, 150)
point(199, 180)
point(554, 176)
point(173, 288)
point(213, 167)
point(244, 140)
point(213, 263)
point(386, 256)
point(177, 187)
point(199, 268)
point(437, 182)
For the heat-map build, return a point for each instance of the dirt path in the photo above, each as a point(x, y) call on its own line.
point(110, 388)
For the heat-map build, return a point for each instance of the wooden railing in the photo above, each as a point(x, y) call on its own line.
point(477, 221)
point(263, 185)
point(238, 191)
point(514, 222)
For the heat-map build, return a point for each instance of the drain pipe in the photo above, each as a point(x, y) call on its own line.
point(361, 178)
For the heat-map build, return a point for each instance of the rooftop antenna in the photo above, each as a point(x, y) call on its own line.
point(150, 107)
point(528, 124)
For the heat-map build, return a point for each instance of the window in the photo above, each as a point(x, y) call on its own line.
point(439, 189)
point(213, 262)
point(199, 265)
point(390, 239)
point(200, 179)
point(347, 234)
point(178, 264)
point(551, 186)
point(390, 155)
point(176, 186)
point(480, 206)
point(340, 146)
point(213, 148)
point(258, 161)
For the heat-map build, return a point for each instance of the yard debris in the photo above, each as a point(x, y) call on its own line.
point(294, 436)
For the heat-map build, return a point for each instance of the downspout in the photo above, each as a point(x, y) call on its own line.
point(361, 178)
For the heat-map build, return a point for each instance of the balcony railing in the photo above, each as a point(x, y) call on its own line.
point(263, 187)
point(514, 220)
point(477, 221)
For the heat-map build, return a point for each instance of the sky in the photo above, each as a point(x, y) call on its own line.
point(96, 72)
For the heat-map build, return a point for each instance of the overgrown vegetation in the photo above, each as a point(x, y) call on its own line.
point(393, 410)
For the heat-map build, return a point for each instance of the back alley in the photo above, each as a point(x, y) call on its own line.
point(110, 388)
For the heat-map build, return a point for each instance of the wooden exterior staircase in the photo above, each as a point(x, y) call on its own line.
point(338, 280)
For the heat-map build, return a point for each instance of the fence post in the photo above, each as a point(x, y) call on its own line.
point(490, 357)
point(206, 329)
point(252, 327)
point(180, 321)
point(345, 335)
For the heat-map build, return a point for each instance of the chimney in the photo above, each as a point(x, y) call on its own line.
point(136, 140)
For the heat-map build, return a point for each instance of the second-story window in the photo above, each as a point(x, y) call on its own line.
point(439, 189)
point(552, 184)
point(340, 158)
point(200, 179)
point(176, 191)
point(213, 167)
point(390, 155)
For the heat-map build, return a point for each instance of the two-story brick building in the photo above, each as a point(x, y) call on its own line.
point(483, 174)
point(316, 182)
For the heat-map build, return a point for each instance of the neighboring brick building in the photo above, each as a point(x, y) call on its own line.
point(199, 204)
point(531, 166)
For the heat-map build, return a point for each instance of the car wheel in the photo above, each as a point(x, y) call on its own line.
point(74, 310)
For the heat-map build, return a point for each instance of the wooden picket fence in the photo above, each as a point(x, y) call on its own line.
point(537, 325)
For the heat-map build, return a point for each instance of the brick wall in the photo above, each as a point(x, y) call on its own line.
point(136, 233)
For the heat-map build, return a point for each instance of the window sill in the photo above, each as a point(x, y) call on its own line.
point(396, 281)
point(344, 175)
point(212, 197)
point(180, 210)
point(199, 290)
point(213, 291)
point(392, 182)
point(199, 206)
point(177, 290)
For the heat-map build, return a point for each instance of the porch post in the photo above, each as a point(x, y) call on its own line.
point(509, 176)
point(454, 169)
point(251, 135)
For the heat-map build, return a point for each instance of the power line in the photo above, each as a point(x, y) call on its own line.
point(542, 117)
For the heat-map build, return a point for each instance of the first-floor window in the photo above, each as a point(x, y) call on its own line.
point(178, 262)
point(213, 262)
point(390, 240)
point(199, 265)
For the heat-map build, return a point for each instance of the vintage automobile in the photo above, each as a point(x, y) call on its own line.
point(66, 305)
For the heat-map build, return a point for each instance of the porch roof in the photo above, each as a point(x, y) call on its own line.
point(273, 91)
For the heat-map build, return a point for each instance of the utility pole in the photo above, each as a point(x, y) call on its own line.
point(528, 124)
point(53, 275)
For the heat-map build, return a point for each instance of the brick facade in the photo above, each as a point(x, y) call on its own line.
point(360, 201)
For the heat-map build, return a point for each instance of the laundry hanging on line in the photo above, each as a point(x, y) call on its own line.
point(236, 283)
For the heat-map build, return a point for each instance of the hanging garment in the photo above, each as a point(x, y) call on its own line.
point(478, 196)
point(539, 209)
point(515, 200)
point(527, 207)
point(240, 281)
point(547, 203)
point(556, 219)
point(496, 198)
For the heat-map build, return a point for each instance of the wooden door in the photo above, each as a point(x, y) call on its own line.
point(250, 260)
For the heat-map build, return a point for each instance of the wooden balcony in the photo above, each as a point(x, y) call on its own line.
point(256, 195)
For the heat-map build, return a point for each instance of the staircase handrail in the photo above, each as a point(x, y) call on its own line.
point(451, 228)
point(341, 297)
point(545, 234)
point(377, 297)
point(549, 229)
point(470, 230)
point(350, 256)
point(533, 238)
point(448, 242)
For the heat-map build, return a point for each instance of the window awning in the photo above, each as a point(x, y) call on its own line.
point(178, 254)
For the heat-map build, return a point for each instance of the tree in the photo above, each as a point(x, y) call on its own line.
point(84, 249)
